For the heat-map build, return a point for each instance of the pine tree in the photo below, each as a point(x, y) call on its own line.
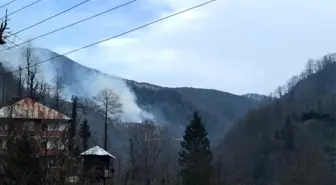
point(85, 134)
point(196, 155)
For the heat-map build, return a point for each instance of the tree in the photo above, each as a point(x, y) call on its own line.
point(109, 105)
point(310, 67)
point(43, 91)
point(22, 165)
point(3, 28)
point(196, 154)
point(291, 83)
point(85, 134)
point(58, 90)
point(31, 61)
point(4, 85)
point(147, 142)
point(20, 84)
point(279, 92)
point(8, 82)
point(73, 126)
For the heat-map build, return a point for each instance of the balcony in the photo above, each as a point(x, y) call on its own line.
point(53, 151)
point(3, 132)
point(52, 133)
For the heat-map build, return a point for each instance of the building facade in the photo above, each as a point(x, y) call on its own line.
point(49, 126)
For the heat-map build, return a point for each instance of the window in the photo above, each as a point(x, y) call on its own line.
point(43, 144)
point(44, 127)
point(73, 179)
point(3, 126)
point(52, 164)
point(52, 144)
point(29, 125)
point(63, 127)
point(53, 127)
point(62, 147)
point(3, 144)
point(99, 171)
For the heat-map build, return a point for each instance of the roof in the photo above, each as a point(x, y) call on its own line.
point(28, 108)
point(96, 150)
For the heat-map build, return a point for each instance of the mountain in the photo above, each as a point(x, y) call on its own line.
point(174, 106)
point(256, 97)
point(292, 139)
point(171, 107)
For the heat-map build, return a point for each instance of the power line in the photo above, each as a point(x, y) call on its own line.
point(121, 34)
point(53, 16)
point(72, 24)
point(22, 8)
point(10, 2)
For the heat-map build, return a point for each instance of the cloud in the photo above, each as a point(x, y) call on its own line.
point(235, 46)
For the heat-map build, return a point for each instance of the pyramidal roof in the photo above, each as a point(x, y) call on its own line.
point(96, 150)
point(28, 108)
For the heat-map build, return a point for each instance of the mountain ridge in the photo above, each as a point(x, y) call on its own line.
point(171, 107)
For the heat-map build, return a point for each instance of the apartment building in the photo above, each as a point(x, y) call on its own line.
point(48, 125)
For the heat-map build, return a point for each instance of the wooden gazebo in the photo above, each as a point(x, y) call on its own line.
point(98, 164)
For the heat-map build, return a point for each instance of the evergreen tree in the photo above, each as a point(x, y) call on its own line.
point(85, 134)
point(196, 155)
point(23, 165)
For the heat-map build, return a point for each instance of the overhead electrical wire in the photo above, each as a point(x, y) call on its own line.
point(22, 8)
point(53, 16)
point(10, 2)
point(118, 35)
point(72, 24)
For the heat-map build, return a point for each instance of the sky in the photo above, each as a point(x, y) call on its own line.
point(237, 46)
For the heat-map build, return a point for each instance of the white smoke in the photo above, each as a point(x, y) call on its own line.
point(131, 111)
point(86, 83)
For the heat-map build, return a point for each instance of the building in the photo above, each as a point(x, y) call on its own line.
point(50, 129)
point(48, 125)
point(98, 165)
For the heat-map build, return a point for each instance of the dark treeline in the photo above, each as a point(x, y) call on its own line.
point(290, 140)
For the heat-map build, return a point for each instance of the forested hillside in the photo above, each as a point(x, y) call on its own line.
point(169, 107)
point(173, 107)
point(290, 141)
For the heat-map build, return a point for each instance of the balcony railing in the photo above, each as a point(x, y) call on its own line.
point(52, 133)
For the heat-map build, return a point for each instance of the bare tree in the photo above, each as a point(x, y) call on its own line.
point(20, 83)
point(109, 104)
point(292, 82)
point(3, 28)
point(43, 91)
point(306, 165)
point(279, 92)
point(219, 171)
point(31, 61)
point(58, 91)
point(319, 65)
point(310, 67)
point(147, 145)
point(327, 60)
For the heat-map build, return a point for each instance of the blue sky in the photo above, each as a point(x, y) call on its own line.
point(238, 46)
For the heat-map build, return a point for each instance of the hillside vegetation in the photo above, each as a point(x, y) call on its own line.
point(291, 140)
